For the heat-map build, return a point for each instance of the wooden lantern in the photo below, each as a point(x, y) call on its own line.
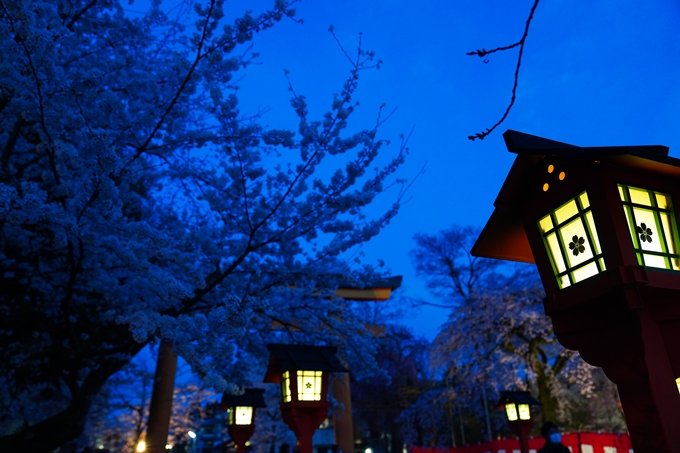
point(302, 371)
point(601, 226)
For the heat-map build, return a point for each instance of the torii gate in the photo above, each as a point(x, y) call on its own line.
point(160, 409)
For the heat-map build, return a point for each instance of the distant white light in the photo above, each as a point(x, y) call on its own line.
point(368, 450)
point(141, 446)
point(192, 434)
point(168, 447)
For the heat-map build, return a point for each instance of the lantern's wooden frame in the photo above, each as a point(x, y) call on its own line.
point(624, 318)
point(250, 398)
point(286, 361)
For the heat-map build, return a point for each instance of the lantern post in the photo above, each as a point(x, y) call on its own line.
point(601, 227)
point(241, 418)
point(517, 407)
point(302, 372)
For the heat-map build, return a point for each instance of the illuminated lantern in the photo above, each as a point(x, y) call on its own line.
point(601, 227)
point(517, 406)
point(241, 418)
point(302, 372)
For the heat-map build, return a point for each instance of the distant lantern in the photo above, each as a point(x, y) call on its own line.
point(601, 226)
point(302, 372)
point(241, 417)
point(517, 406)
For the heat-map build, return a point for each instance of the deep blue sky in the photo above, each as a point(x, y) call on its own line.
point(594, 73)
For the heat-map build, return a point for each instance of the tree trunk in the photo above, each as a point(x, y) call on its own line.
point(160, 409)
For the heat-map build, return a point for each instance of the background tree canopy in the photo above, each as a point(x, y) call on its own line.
point(497, 337)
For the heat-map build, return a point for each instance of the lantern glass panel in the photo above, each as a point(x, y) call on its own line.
point(309, 385)
point(575, 229)
point(285, 387)
point(546, 224)
point(586, 271)
point(524, 411)
point(566, 211)
point(511, 411)
point(241, 415)
point(572, 242)
point(639, 196)
point(652, 227)
point(677, 382)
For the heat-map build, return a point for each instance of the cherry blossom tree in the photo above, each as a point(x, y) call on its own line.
point(137, 203)
point(497, 335)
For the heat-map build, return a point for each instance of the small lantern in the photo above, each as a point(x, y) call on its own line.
point(517, 406)
point(302, 371)
point(601, 227)
point(241, 418)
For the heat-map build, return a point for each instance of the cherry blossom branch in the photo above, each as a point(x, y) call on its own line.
point(79, 14)
point(38, 86)
point(183, 85)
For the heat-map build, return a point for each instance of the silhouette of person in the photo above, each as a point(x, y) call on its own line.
point(553, 439)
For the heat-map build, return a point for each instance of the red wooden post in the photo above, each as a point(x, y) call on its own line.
point(241, 435)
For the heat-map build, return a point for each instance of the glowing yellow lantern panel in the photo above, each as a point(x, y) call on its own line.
point(652, 227)
point(285, 387)
point(511, 411)
point(572, 242)
point(309, 385)
point(677, 382)
point(524, 411)
point(241, 415)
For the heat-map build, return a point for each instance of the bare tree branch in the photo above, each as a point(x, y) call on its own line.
point(483, 52)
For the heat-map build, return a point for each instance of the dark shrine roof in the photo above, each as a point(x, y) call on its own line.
point(517, 397)
point(301, 357)
point(504, 237)
point(250, 397)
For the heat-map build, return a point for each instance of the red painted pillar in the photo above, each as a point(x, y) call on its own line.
point(240, 435)
point(661, 379)
point(304, 421)
point(522, 428)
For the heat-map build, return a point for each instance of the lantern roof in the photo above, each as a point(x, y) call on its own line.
point(517, 397)
point(286, 357)
point(504, 237)
point(250, 397)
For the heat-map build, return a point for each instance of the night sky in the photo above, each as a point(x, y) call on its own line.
point(594, 73)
